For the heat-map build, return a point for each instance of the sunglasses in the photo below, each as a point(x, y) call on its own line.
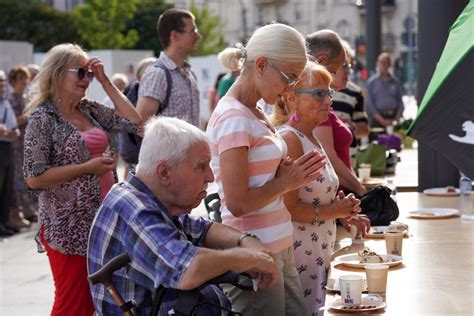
point(318, 94)
point(82, 72)
point(291, 82)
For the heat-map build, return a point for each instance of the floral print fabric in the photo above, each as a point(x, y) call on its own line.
point(66, 210)
point(314, 242)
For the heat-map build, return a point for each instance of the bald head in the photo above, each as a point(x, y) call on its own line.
point(326, 47)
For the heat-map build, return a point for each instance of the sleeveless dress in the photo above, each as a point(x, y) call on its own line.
point(314, 242)
point(97, 143)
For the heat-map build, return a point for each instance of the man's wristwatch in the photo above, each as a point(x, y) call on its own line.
point(245, 235)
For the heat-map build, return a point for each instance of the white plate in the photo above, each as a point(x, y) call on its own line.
point(440, 192)
point(337, 304)
point(433, 213)
point(379, 231)
point(333, 285)
point(352, 260)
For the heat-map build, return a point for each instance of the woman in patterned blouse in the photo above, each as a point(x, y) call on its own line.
point(69, 166)
point(315, 207)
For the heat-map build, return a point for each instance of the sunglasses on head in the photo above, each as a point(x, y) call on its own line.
point(318, 94)
point(82, 72)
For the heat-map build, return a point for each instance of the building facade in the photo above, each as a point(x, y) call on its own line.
point(347, 17)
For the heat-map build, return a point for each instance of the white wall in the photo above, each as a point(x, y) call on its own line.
point(206, 69)
point(15, 52)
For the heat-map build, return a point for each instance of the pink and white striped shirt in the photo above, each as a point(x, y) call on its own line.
point(233, 125)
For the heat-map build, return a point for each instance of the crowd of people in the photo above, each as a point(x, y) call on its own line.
point(285, 179)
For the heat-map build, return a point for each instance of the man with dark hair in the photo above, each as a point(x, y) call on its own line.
point(326, 48)
point(384, 95)
point(179, 36)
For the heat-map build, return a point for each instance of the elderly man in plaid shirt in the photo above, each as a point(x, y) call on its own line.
point(147, 217)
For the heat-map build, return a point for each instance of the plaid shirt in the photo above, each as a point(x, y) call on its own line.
point(161, 247)
point(184, 99)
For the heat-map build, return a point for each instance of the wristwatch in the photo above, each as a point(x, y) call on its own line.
point(245, 235)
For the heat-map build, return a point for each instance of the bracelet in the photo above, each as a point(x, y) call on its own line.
point(316, 215)
point(245, 235)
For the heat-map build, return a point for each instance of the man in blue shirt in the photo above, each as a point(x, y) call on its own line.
point(384, 103)
point(147, 217)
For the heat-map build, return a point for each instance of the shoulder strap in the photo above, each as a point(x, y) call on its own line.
point(169, 84)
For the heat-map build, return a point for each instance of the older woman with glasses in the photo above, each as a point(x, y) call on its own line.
point(68, 164)
point(315, 206)
point(251, 165)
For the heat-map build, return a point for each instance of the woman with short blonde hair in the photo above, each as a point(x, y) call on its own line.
point(242, 139)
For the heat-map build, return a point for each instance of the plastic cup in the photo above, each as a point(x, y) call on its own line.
point(351, 289)
point(364, 173)
point(394, 243)
point(376, 277)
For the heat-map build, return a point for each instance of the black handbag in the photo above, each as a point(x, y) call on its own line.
point(379, 206)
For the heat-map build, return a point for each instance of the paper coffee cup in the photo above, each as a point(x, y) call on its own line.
point(376, 277)
point(394, 242)
point(351, 289)
point(364, 173)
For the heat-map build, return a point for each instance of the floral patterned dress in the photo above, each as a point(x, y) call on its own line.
point(314, 242)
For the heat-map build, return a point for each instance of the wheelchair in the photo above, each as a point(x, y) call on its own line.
point(188, 302)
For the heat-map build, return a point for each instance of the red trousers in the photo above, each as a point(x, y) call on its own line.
point(72, 295)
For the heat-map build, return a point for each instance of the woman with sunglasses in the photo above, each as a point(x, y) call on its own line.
point(68, 164)
point(314, 207)
point(251, 165)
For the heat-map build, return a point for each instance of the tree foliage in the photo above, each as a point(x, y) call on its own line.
point(101, 23)
point(37, 23)
point(144, 22)
point(212, 40)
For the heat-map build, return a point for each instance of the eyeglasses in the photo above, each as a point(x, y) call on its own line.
point(346, 67)
point(291, 82)
point(318, 94)
point(193, 31)
point(82, 72)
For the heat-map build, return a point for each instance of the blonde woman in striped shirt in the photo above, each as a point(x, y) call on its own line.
point(249, 160)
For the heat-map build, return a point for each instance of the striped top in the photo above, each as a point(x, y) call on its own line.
point(233, 125)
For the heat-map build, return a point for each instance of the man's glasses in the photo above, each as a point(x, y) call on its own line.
point(193, 31)
point(82, 72)
point(318, 94)
point(291, 82)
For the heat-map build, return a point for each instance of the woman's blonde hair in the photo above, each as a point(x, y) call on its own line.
point(280, 43)
point(46, 83)
point(313, 74)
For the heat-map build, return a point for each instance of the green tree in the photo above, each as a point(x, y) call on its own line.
point(212, 40)
point(101, 23)
point(144, 22)
point(37, 23)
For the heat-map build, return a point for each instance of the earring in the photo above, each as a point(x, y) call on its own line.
point(259, 76)
point(295, 118)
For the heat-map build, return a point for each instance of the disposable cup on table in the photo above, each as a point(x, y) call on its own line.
point(394, 243)
point(351, 289)
point(364, 173)
point(376, 277)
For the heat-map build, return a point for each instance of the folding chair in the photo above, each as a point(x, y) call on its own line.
point(188, 302)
